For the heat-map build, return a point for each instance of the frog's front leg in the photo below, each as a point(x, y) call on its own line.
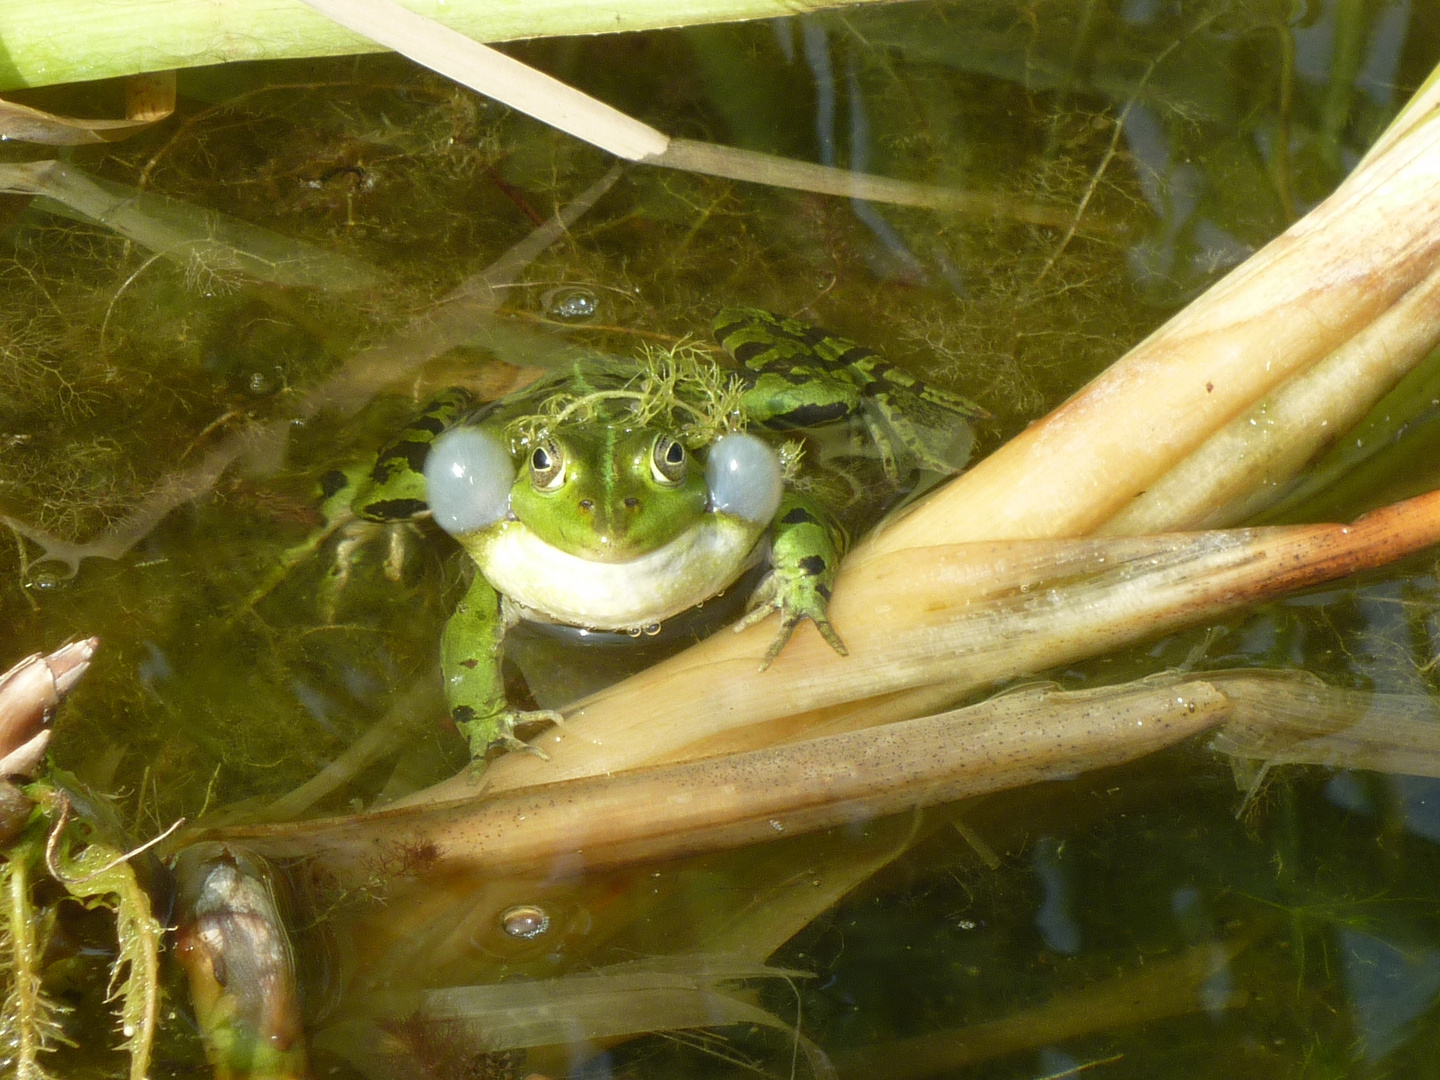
point(804, 559)
point(470, 654)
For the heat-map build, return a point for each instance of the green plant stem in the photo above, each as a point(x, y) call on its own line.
point(60, 41)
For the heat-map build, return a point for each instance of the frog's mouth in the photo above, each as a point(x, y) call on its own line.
point(627, 595)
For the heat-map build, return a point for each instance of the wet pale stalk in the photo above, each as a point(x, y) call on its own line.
point(1245, 467)
point(978, 614)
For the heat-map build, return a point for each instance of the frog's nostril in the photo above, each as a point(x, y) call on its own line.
point(631, 502)
point(586, 505)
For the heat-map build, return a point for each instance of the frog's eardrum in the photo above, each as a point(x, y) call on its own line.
point(468, 477)
point(744, 477)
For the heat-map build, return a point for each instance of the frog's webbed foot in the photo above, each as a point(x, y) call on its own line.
point(489, 734)
point(356, 535)
point(795, 595)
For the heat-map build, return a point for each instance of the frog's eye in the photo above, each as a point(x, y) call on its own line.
point(744, 477)
point(547, 467)
point(468, 476)
point(667, 461)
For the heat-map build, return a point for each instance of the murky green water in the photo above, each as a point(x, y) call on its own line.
point(1027, 935)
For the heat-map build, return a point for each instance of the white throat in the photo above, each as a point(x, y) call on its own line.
point(645, 591)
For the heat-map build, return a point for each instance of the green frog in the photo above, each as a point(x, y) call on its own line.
point(617, 495)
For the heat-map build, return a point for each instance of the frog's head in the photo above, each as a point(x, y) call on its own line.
point(608, 493)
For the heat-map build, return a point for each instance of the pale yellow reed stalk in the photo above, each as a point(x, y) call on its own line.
point(977, 614)
point(1245, 466)
point(1300, 298)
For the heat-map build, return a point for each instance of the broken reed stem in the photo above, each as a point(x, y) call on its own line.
point(977, 614)
point(1296, 301)
point(673, 810)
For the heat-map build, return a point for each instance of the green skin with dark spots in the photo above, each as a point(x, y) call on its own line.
point(608, 504)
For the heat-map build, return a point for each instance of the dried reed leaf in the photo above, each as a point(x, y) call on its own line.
point(671, 810)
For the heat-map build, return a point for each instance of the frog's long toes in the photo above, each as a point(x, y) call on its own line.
point(757, 614)
point(515, 746)
point(827, 631)
point(787, 629)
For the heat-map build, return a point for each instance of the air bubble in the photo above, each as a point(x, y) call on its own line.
point(652, 629)
point(525, 921)
point(260, 384)
point(570, 304)
point(47, 579)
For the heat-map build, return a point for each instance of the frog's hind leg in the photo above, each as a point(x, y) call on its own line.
point(394, 489)
point(337, 488)
point(805, 557)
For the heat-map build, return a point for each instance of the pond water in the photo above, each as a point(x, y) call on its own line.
point(1138, 922)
